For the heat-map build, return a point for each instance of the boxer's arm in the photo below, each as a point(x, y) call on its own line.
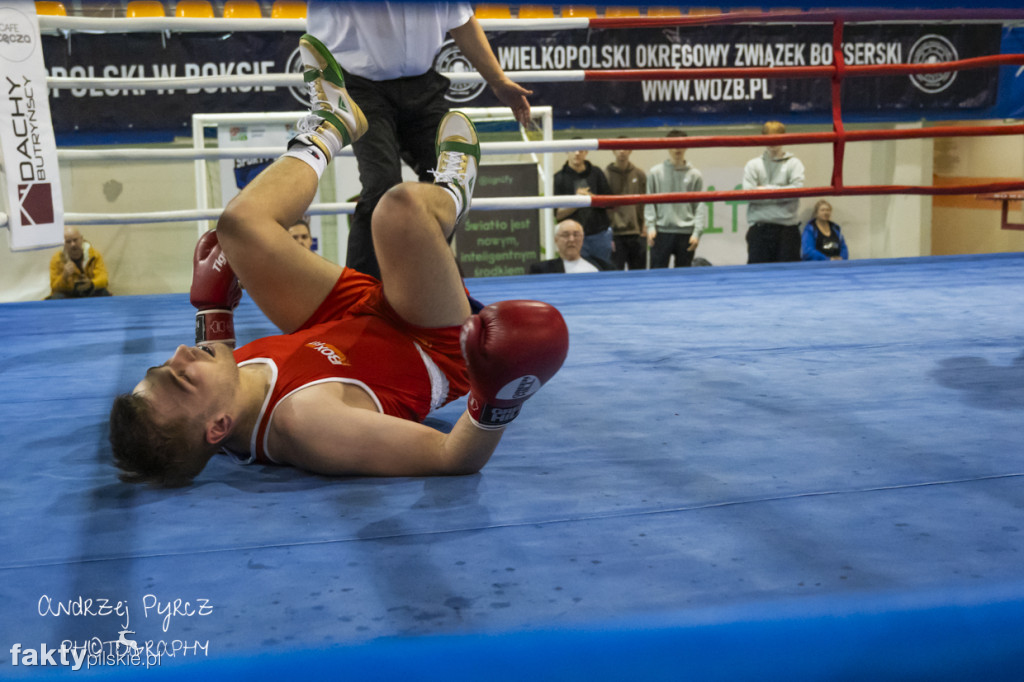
point(316, 431)
point(512, 348)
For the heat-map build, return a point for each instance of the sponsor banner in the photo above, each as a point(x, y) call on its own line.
point(174, 55)
point(754, 46)
point(968, 93)
point(33, 195)
point(501, 242)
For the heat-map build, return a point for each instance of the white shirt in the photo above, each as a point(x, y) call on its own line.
point(385, 40)
point(578, 265)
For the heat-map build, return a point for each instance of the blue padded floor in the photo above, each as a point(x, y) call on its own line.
point(783, 472)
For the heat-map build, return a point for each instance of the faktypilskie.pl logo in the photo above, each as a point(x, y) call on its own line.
point(116, 642)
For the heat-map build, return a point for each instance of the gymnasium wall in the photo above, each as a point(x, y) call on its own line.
point(156, 258)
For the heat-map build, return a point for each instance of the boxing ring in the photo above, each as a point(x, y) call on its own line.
point(786, 471)
point(835, 495)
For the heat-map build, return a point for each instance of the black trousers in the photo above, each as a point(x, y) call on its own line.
point(667, 244)
point(771, 243)
point(631, 250)
point(403, 115)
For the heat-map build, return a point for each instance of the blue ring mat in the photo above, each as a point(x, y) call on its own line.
point(797, 471)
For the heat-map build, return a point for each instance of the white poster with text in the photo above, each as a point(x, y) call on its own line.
point(32, 189)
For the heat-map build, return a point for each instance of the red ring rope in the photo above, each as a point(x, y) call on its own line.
point(839, 148)
point(608, 201)
point(875, 70)
point(698, 141)
point(837, 72)
point(811, 17)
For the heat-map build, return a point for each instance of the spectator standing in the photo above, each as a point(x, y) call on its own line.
point(627, 221)
point(774, 232)
point(579, 176)
point(674, 229)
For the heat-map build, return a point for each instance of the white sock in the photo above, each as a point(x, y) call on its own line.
point(455, 195)
point(309, 153)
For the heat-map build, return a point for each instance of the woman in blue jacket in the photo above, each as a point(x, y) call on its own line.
point(822, 238)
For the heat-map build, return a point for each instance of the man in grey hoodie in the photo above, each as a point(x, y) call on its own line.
point(674, 229)
point(774, 234)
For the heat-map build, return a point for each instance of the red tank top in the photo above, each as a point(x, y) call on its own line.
point(364, 350)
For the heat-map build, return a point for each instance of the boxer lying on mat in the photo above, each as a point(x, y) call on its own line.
point(361, 362)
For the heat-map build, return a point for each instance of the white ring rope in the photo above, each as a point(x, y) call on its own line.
point(483, 204)
point(278, 80)
point(189, 154)
point(192, 154)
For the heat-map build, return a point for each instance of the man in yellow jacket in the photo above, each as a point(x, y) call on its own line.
point(77, 270)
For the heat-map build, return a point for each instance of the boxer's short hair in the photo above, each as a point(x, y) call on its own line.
point(146, 452)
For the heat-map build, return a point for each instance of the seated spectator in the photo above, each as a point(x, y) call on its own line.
point(77, 270)
point(569, 242)
point(300, 233)
point(822, 238)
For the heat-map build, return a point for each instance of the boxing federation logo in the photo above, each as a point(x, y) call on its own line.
point(932, 49)
point(451, 60)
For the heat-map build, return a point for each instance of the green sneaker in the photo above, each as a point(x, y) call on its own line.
point(458, 155)
point(333, 114)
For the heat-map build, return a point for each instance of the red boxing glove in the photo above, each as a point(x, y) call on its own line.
point(215, 292)
point(512, 348)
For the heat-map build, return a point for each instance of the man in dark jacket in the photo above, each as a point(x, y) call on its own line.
point(579, 176)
